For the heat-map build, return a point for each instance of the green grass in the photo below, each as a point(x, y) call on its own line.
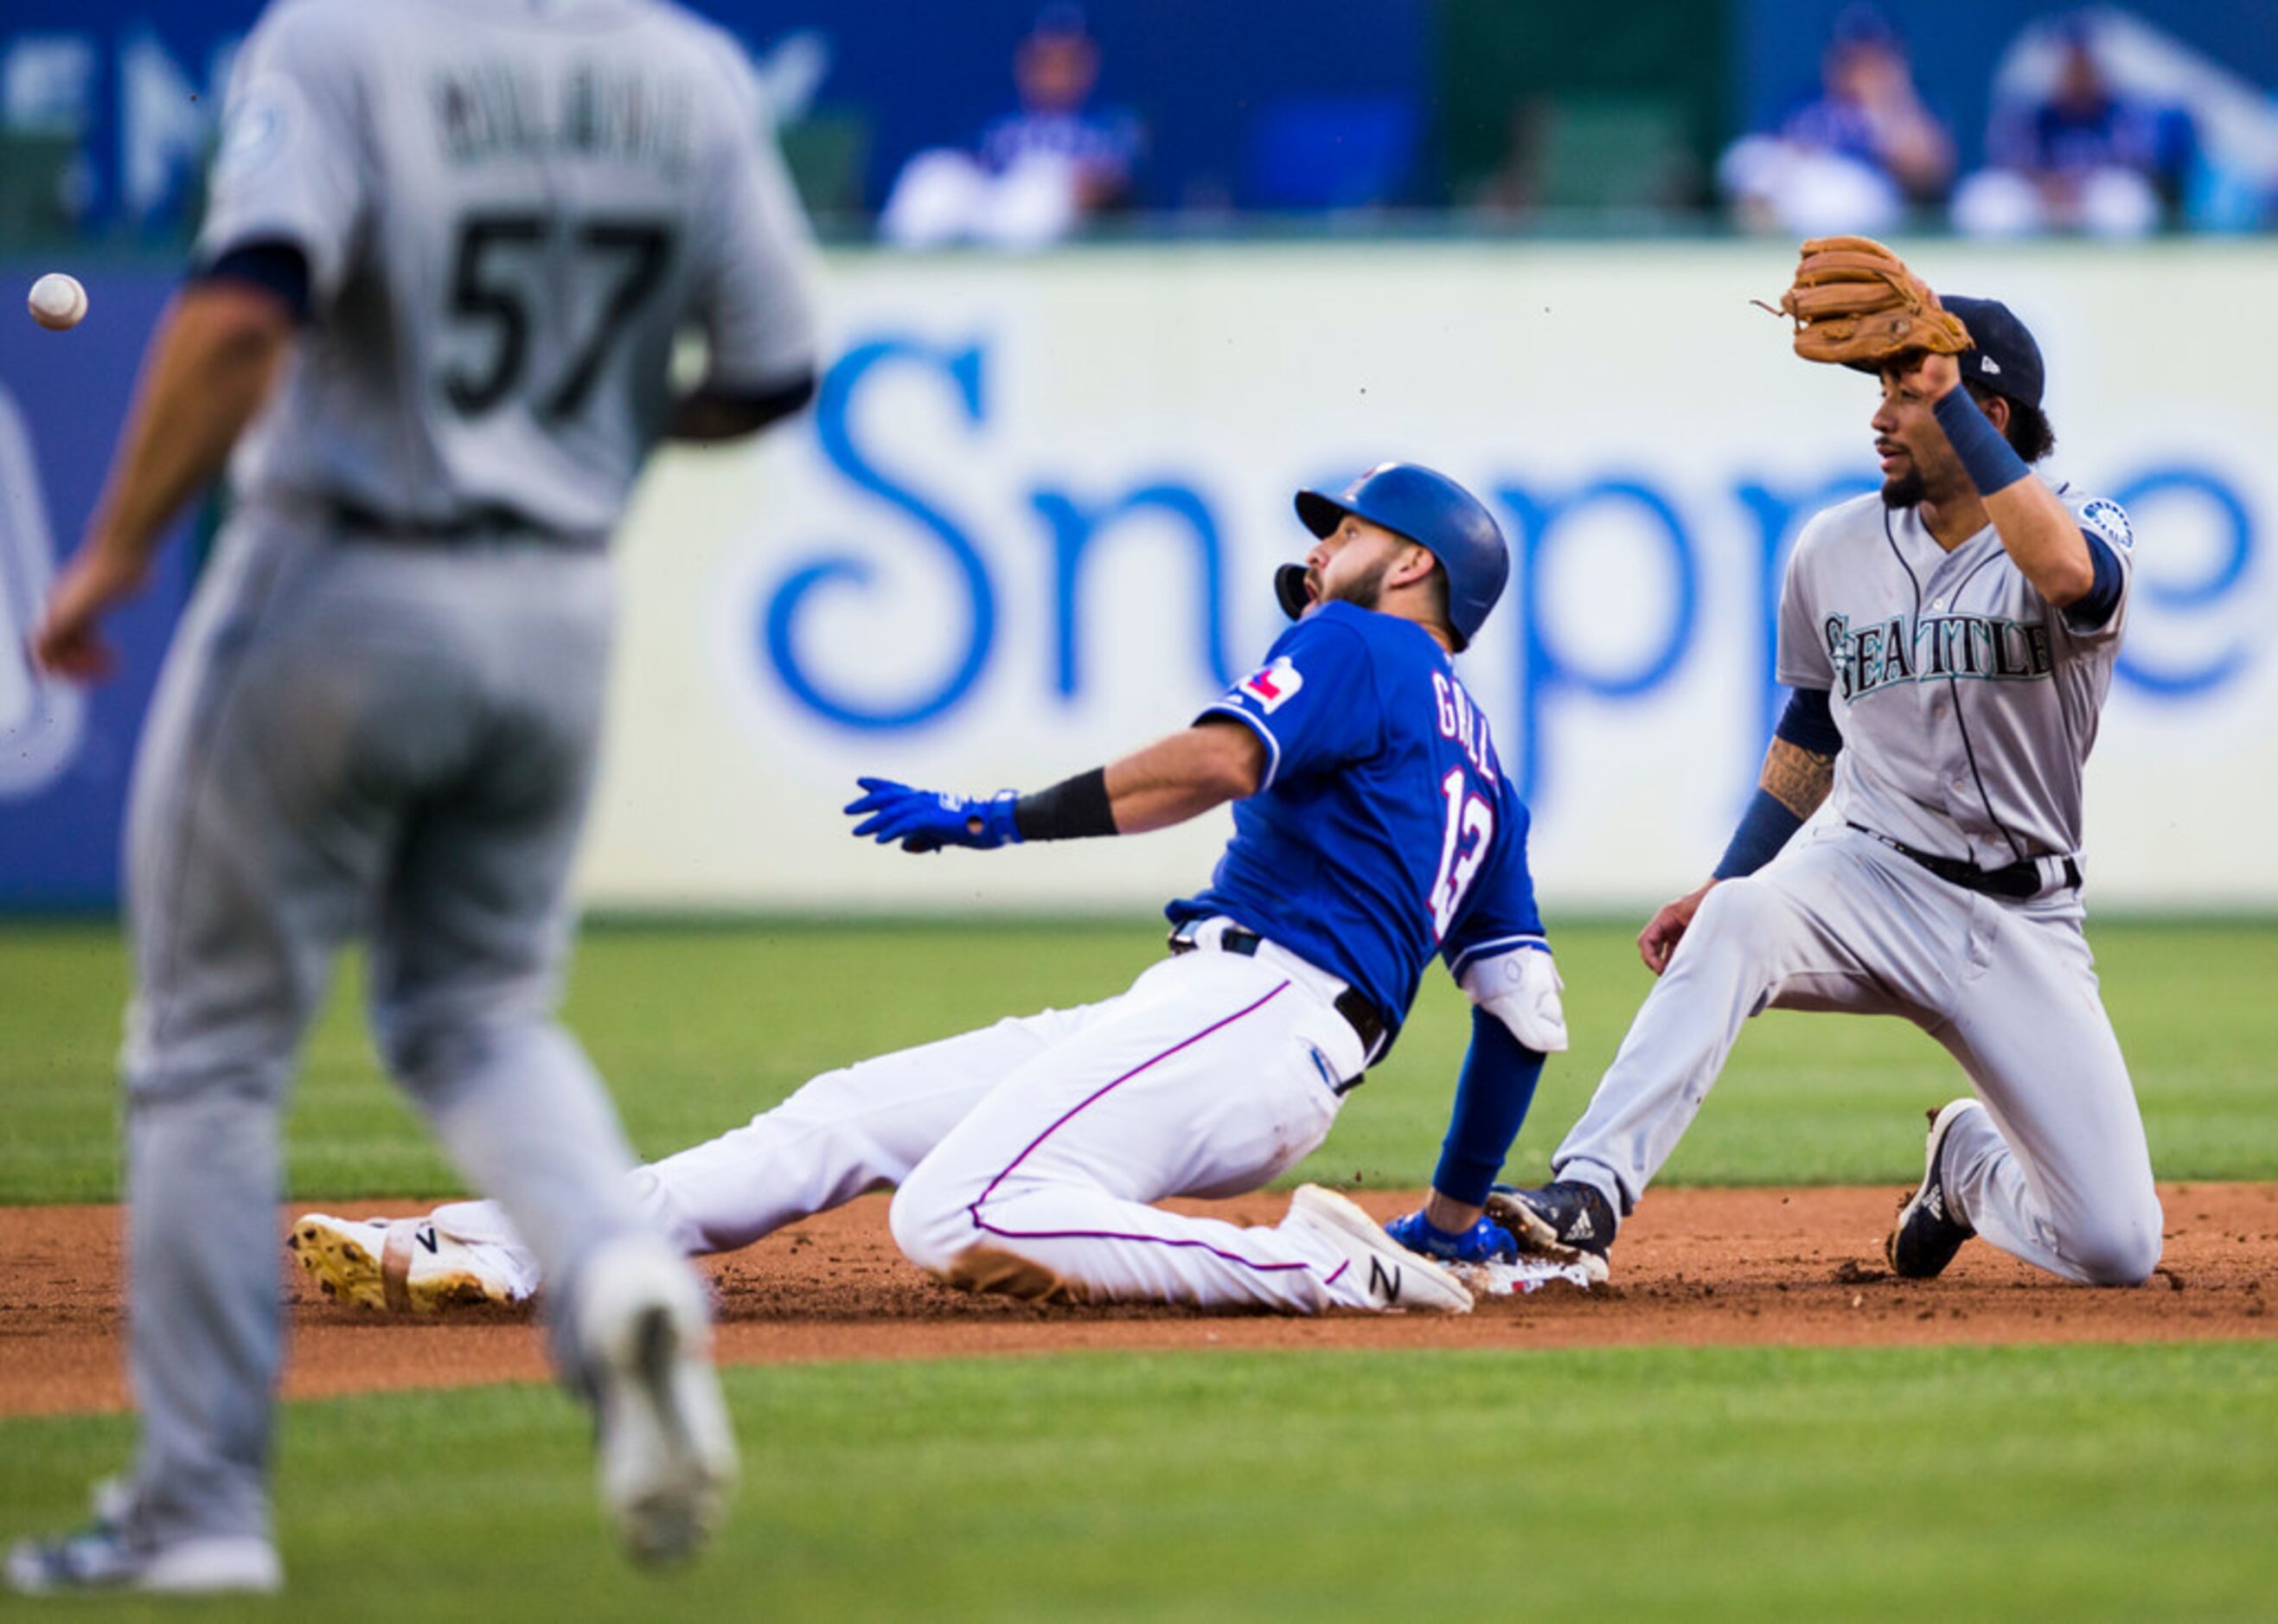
point(699, 1027)
point(2076, 1482)
point(2081, 1482)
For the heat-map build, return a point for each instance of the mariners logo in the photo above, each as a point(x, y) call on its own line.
point(1273, 687)
point(2109, 520)
point(264, 121)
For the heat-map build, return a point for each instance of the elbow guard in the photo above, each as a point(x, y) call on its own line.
point(1521, 990)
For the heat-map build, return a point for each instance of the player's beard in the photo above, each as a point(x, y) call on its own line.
point(1904, 490)
point(1364, 592)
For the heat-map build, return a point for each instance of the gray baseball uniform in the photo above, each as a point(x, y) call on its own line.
point(1968, 706)
point(380, 713)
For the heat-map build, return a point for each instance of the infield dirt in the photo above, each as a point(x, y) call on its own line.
point(1693, 1266)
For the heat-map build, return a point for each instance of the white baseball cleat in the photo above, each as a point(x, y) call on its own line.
point(668, 1451)
point(1389, 1275)
point(105, 1558)
point(397, 1265)
point(1526, 1274)
point(100, 1560)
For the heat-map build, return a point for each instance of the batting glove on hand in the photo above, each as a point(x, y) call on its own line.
point(925, 821)
point(1485, 1242)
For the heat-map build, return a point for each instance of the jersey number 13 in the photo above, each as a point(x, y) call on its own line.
point(1470, 826)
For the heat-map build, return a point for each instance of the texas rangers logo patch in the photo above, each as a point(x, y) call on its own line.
point(1272, 687)
point(2109, 520)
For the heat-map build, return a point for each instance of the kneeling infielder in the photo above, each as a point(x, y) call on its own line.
point(1950, 644)
point(1374, 825)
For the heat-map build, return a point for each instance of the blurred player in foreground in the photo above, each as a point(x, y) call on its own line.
point(448, 253)
point(1950, 642)
point(1374, 826)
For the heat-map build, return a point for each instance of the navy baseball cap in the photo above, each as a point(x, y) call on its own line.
point(2005, 359)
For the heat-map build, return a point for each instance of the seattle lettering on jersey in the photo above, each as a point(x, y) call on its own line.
point(1977, 647)
point(495, 109)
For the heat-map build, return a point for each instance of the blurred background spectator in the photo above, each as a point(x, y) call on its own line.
point(1853, 158)
point(1055, 70)
point(2124, 120)
point(1198, 117)
point(2080, 155)
point(1042, 170)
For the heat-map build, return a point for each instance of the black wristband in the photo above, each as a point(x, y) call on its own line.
point(1074, 808)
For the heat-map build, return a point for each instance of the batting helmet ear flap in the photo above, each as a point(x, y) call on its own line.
point(1289, 588)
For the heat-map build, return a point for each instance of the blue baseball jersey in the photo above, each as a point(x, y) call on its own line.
point(1385, 829)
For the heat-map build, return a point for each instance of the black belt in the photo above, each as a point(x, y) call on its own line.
point(2017, 881)
point(1366, 1020)
point(484, 522)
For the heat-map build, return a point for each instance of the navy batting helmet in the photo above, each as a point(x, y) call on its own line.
point(1429, 509)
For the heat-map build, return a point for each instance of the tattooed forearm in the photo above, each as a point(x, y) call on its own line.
point(1796, 778)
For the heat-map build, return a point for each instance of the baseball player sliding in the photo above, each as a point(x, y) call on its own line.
point(449, 250)
point(1950, 643)
point(1374, 826)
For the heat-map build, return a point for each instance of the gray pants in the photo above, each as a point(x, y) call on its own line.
point(2056, 1171)
point(347, 739)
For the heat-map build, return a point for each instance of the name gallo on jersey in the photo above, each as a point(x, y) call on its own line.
point(1462, 720)
point(1900, 649)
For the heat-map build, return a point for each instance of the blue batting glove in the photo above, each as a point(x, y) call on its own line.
point(1485, 1242)
point(923, 820)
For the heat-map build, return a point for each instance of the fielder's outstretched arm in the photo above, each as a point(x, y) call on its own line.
point(1798, 774)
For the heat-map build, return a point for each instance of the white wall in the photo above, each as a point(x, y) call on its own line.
point(985, 405)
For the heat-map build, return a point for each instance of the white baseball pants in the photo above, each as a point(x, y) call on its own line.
point(1027, 1154)
point(2056, 1170)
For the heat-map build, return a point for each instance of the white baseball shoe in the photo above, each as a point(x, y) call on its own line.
point(1389, 1274)
point(397, 1265)
point(100, 1560)
point(105, 1558)
point(668, 1451)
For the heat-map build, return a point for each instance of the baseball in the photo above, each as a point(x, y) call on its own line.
point(57, 302)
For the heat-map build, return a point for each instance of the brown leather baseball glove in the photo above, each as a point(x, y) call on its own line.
point(1854, 303)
